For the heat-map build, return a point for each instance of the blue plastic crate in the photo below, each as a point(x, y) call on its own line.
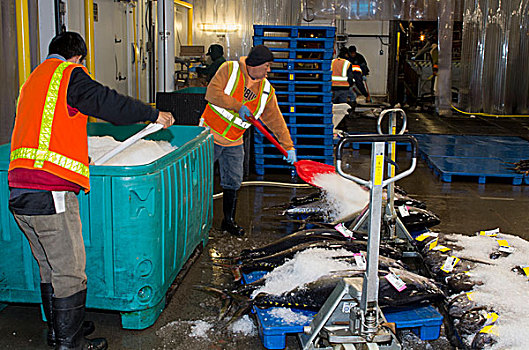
point(295, 31)
point(140, 226)
point(424, 321)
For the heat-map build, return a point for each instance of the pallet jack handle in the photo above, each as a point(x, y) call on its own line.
point(376, 138)
point(395, 112)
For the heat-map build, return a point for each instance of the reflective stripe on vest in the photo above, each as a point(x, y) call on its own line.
point(357, 69)
point(342, 77)
point(233, 117)
point(42, 153)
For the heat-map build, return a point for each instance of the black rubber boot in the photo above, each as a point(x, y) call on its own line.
point(46, 293)
point(229, 205)
point(68, 317)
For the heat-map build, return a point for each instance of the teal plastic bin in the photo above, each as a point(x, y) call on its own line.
point(140, 226)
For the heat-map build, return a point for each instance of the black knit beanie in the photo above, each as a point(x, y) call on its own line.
point(258, 55)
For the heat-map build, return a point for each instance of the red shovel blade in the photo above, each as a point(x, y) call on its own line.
point(308, 169)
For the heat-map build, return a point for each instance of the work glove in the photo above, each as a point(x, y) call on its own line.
point(244, 113)
point(291, 156)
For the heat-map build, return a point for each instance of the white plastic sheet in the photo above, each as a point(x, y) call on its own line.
point(405, 10)
point(495, 69)
point(243, 14)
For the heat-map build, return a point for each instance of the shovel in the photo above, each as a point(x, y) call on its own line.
point(307, 169)
point(149, 129)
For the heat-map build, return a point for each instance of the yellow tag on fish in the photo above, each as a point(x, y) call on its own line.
point(441, 248)
point(492, 317)
point(502, 242)
point(449, 264)
point(525, 269)
point(469, 295)
point(490, 329)
point(433, 244)
point(425, 235)
point(504, 246)
point(490, 233)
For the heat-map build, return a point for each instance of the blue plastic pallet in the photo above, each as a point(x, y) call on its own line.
point(274, 42)
point(316, 54)
point(308, 76)
point(309, 108)
point(294, 31)
point(299, 64)
point(480, 167)
point(311, 129)
point(424, 321)
point(301, 86)
point(307, 97)
point(473, 156)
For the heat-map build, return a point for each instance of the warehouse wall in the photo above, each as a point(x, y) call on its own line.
point(373, 49)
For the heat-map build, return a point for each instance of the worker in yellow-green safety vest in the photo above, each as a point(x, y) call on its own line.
point(240, 90)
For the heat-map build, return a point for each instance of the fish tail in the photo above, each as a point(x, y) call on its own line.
point(225, 259)
point(228, 300)
point(244, 305)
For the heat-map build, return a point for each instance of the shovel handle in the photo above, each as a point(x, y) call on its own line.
point(265, 132)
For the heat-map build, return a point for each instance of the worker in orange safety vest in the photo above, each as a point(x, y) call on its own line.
point(240, 90)
point(49, 166)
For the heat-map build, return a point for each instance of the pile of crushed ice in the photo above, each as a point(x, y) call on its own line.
point(205, 328)
point(343, 197)
point(289, 317)
point(305, 267)
point(139, 153)
point(503, 290)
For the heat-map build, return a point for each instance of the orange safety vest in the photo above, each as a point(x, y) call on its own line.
point(356, 68)
point(339, 72)
point(45, 137)
point(227, 123)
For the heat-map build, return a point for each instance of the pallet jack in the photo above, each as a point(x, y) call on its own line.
point(351, 318)
point(397, 232)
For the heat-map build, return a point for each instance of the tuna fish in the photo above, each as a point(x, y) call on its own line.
point(313, 295)
point(294, 239)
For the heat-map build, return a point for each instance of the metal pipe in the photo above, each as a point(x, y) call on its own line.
point(89, 36)
point(136, 65)
point(166, 52)
point(24, 64)
point(189, 8)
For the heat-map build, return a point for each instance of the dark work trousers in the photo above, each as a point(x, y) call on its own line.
point(231, 161)
point(57, 244)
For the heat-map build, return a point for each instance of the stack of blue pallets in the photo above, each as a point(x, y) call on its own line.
point(301, 76)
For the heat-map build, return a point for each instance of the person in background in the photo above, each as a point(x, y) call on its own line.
point(216, 53)
point(49, 165)
point(360, 71)
point(237, 92)
point(430, 46)
point(342, 80)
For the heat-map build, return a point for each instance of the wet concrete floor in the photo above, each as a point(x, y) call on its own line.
point(464, 206)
